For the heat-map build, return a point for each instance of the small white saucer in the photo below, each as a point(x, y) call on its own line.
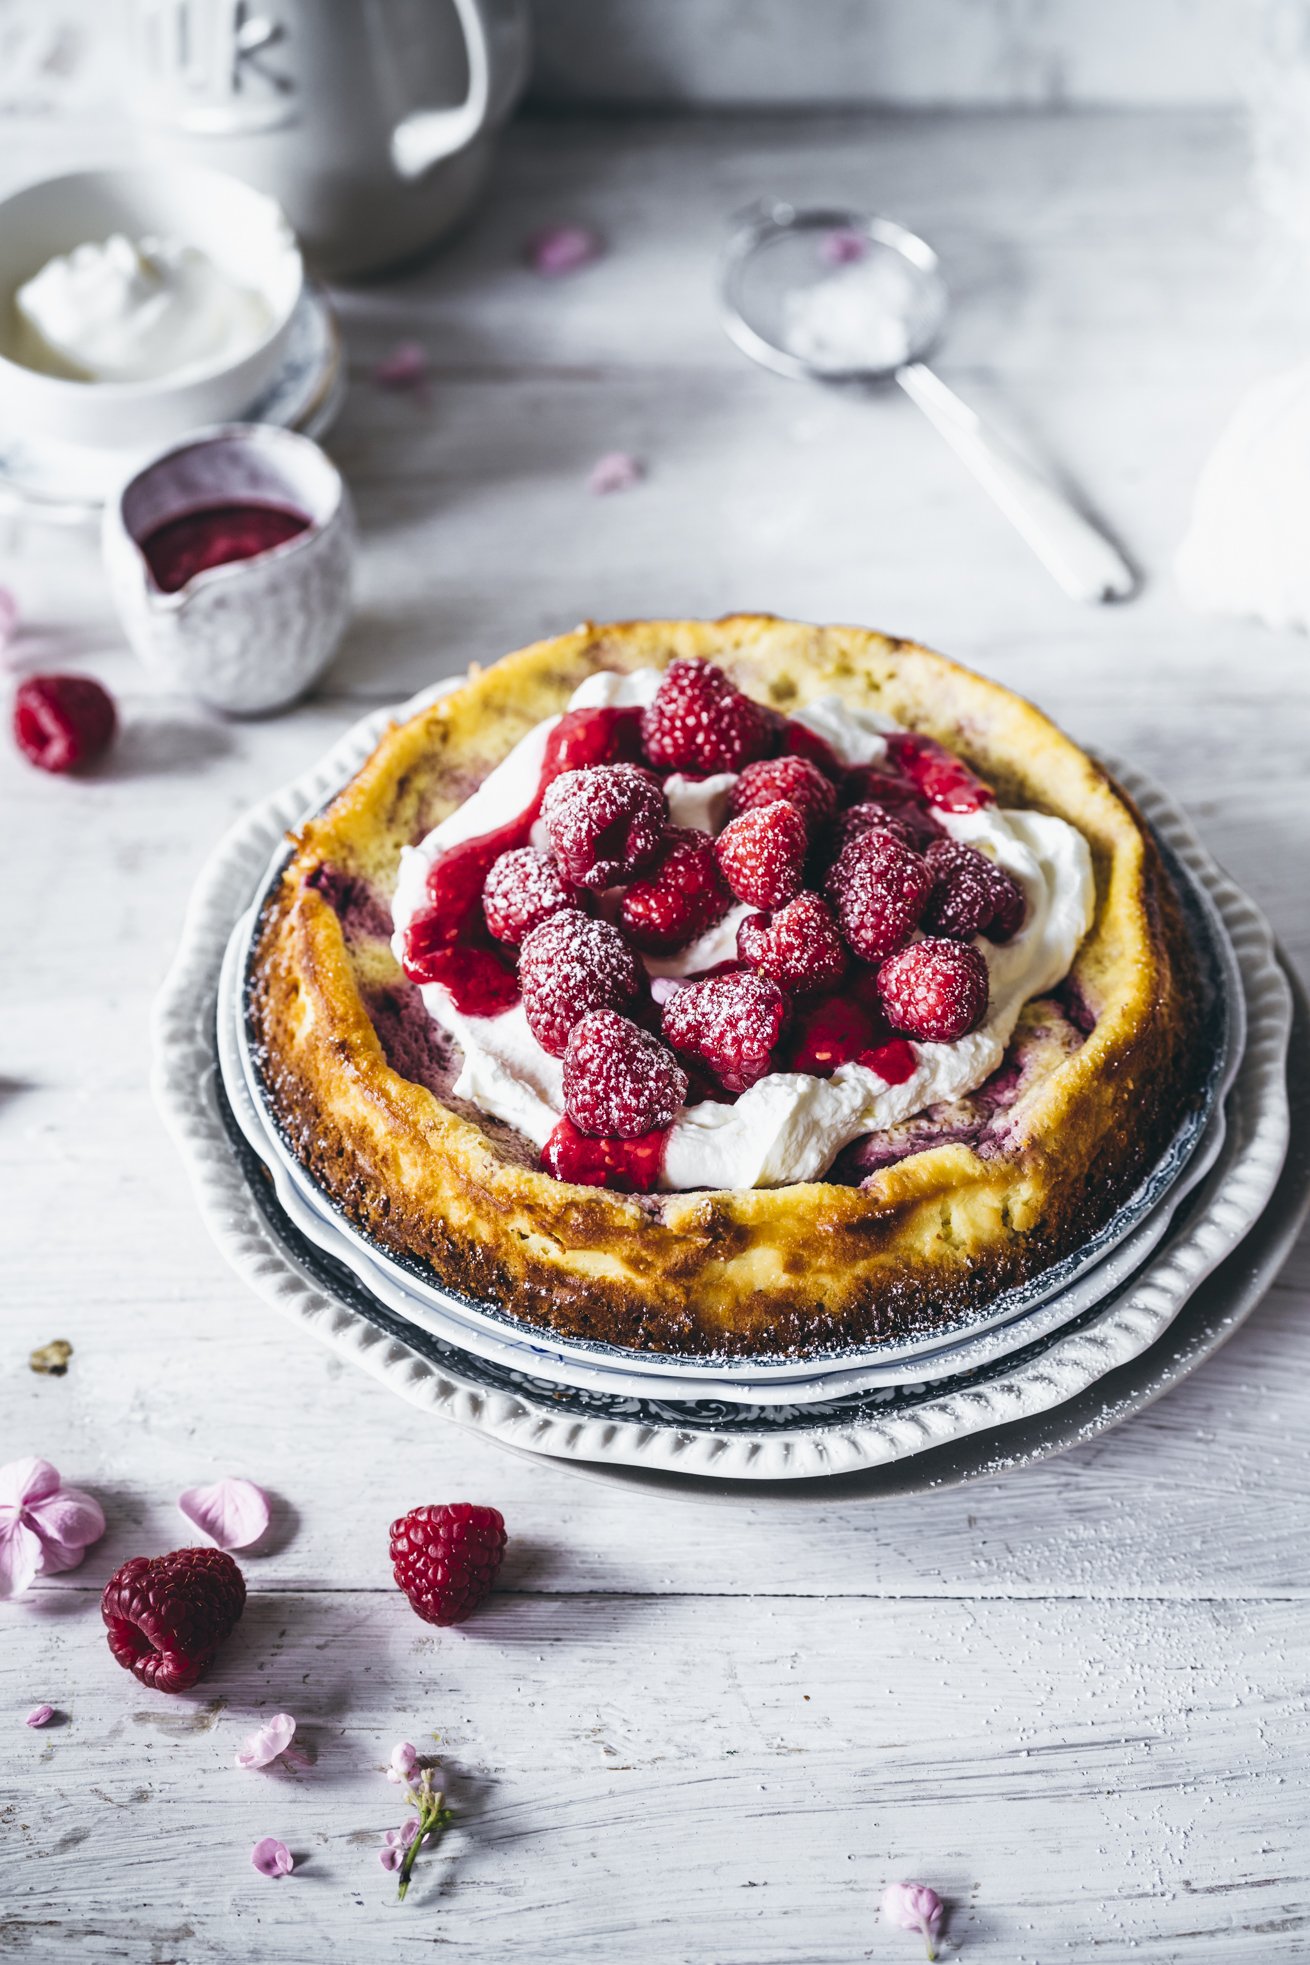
point(61, 483)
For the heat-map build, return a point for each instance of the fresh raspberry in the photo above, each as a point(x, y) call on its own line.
point(960, 905)
point(869, 817)
point(680, 898)
point(799, 946)
point(971, 895)
point(596, 736)
point(877, 889)
point(62, 722)
point(571, 964)
point(445, 1558)
point(940, 777)
point(700, 722)
point(605, 823)
point(763, 854)
point(1010, 904)
point(167, 1615)
point(935, 990)
point(524, 888)
point(883, 783)
point(729, 1023)
point(793, 779)
point(619, 1081)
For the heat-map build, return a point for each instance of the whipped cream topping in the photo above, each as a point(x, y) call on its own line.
point(116, 310)
point(789, 1126)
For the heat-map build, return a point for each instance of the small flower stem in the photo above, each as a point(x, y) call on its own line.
point(430, 1820)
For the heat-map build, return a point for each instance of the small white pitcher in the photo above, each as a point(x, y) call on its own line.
point(252, 634)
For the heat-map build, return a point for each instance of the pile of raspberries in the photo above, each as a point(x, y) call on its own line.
point(852, 881)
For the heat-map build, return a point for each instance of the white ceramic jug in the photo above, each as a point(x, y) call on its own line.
point(372, 122)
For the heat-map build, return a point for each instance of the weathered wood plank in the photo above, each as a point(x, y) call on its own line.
point(681, 1780)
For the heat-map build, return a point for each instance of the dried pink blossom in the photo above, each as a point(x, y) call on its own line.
point(843, 246)
point(271, 1857)
point(267, 1743)
point(914, 1907)
point(396, 1842)
point(43, 1527)
point(615, 471)
point(40, 1716)
point(406, 367)
point(233, 1513)
point(403, 1761)
point(563, 249)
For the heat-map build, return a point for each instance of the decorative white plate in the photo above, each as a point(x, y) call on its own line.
point(66, 483)
point(581, 1367)
point(707, 1437)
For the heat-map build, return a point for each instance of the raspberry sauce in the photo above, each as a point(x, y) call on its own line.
point(839, 1029)
point(214, 536)
point(628, 1166)
point(937, 774)
point(448, 941)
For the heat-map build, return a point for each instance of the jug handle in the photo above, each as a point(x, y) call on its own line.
point(426, 136)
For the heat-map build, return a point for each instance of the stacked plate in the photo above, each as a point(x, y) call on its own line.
point(774, 1418)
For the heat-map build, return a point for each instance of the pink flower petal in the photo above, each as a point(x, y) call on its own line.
point(615, 471)
point(69, 1517)
point(563, 249)
point(271, 1857)
point(267, 1742)
point(843, 246)
point(392, 1856)
point(25, 1481)
point(406, 367)
point(40, 1716)
point(20, 1556)
point(233, 1513)
point(913, 1907)
point(404, 1759)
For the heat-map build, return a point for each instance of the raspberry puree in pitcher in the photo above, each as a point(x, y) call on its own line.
point(214, 536)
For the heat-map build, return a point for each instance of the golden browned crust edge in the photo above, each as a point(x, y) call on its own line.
point(802, 1269)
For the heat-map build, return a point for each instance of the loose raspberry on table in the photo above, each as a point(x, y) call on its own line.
point(682, 895)
point(729, 1023)
point(971, 895)
point(524, 888)
point(762, 854)
point(934, 990)
point(445, 1558)
point(799, 946)
point(793, 779)
point(571, 964)
point(593, 736)
point(619, 1081)
point(700, 722)
point(604, 823)
point(877, 889)
point(167, 1615)
point(63, 722)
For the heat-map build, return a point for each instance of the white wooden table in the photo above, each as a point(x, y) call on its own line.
point(1074, 1700)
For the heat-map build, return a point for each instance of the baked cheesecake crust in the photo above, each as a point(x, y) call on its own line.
point(920, 1244)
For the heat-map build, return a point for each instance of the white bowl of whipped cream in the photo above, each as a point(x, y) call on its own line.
point(139, 304)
